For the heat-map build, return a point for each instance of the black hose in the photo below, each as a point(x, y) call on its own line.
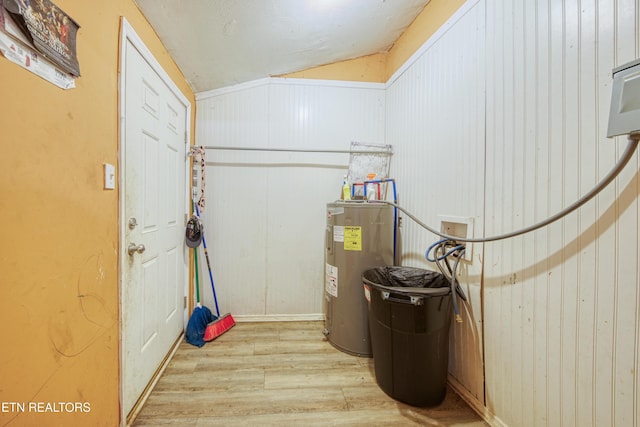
point(441, 256)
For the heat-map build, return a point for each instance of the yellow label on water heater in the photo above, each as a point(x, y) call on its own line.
point(352, 238)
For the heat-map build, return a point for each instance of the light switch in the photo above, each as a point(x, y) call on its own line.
point(109, 177)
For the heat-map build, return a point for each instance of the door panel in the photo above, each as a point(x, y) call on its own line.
point(153, 278)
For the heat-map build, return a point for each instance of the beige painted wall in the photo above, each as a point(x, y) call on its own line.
point(59, 247)
point(380, 67)
point(370, 68)
point(435, 13)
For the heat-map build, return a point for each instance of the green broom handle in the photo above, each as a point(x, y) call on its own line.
point(195, 258)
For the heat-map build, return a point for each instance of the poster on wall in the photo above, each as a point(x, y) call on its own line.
point(51, 31)
point(31, 60)
point(18, 46)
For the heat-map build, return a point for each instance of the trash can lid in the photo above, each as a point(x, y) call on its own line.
point(409, 281)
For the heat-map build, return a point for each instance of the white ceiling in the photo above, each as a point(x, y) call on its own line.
point(218, 43)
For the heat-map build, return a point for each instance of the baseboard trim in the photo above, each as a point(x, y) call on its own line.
point(278, 317)
point(476, 405)
point(131, 417)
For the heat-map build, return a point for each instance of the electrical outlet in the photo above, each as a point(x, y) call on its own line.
point(459, 227)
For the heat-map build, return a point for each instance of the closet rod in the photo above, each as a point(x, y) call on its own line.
point(296, 150)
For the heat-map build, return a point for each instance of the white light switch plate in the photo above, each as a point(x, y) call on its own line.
point(109, 177)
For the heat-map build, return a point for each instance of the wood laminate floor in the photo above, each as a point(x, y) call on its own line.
point(282, 374)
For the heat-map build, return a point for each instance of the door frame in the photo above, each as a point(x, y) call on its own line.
point(128, 34)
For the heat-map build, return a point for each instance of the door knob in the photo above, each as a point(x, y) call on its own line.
point(135, 248)
point(132, 223)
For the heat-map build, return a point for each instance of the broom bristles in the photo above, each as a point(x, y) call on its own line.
point(219, 327)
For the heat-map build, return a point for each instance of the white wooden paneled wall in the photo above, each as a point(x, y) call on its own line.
point(501, 117)
point(561, 305)
point(435, 122)
point(266, 212)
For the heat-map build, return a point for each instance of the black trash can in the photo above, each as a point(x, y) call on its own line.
point(409, 319)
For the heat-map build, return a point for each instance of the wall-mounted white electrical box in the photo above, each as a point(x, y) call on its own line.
point(460, 227)
point(624, 114)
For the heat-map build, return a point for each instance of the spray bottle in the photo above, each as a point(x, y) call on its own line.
point(346, 189)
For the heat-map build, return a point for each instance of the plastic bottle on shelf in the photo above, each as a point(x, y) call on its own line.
point(346, 189)
point(371, 187)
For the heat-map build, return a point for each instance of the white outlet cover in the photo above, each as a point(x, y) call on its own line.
point(467, 222)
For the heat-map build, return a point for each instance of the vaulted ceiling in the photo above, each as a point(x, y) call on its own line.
point(218, 43)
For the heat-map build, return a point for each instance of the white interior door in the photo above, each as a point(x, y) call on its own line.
point(153, 255)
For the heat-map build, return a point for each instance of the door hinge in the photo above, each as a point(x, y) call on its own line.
point(186, 219)
point(185, 302)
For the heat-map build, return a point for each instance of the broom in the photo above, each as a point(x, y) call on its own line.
point(201, 316)
point(223, 323)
